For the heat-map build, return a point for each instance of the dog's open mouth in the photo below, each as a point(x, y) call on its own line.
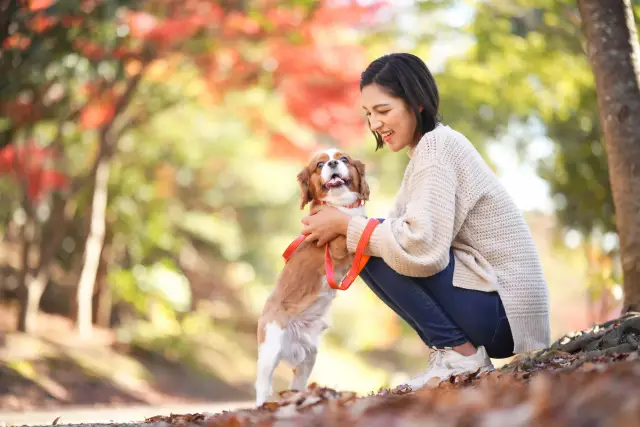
point(336, 181)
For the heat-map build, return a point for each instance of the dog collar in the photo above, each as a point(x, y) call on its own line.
point(355, 204)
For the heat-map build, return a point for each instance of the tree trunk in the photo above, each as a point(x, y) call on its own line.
point(613, 51)
point(30, 296)
point(28, 291)
point(102, 301)
point(93, 248)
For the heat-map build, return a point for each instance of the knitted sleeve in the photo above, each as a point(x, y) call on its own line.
point(417, 242)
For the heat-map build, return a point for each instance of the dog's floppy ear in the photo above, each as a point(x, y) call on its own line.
point(364, 186)
point(303, 180)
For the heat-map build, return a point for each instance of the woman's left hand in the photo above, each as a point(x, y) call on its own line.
point(325, 225)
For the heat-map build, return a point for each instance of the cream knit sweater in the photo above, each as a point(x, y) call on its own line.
point(450, 198)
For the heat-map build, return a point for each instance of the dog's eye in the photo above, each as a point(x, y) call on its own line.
point(344, 159)
point(320, 164)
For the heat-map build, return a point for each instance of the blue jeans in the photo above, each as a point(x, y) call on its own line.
point(442, 314)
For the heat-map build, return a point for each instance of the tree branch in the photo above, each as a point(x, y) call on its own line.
point(107, 137)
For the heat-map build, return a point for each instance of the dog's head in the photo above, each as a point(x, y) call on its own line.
point(333, 176)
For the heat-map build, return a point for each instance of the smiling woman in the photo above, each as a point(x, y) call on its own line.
point(455, 258)
point(398, 117)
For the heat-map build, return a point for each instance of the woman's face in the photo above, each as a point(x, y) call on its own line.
point(390, 117)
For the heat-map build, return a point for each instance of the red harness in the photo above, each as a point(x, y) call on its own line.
point(359, 259)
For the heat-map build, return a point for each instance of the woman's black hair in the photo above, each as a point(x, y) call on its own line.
point(406, 76)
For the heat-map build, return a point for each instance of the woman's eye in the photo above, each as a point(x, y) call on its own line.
point(344, 159)
point(383, 112)
point(320, 164)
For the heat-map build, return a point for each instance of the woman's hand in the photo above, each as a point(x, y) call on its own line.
point(325, 225)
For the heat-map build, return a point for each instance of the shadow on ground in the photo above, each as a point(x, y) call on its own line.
point(52, 369)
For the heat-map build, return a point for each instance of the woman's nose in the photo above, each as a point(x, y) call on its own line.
point(376, 124)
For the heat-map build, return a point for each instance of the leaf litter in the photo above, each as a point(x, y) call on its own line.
point(588, 378)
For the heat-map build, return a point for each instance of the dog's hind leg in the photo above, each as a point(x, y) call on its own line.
point(269, 355)
point(302, 372)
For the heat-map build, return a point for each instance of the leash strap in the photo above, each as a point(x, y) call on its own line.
point(359, 259)
point(292, 247)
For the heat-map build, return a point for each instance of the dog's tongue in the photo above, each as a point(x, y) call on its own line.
point(334, 182)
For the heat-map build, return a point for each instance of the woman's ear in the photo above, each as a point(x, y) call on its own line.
point(303, 180)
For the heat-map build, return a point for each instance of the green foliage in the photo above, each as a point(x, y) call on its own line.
point(529, 63)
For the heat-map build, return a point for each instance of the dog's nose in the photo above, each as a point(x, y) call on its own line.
point(332, 163)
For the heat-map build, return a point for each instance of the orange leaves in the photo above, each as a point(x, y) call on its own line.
point(319, 79)
point(16, 41)
point(72, 21)
point(42, 22)
point(319, 91)
point(603, 395)
point(95, 52)
point(39, 4)
point(547, 388)
point(174, 31)
point(227, 69)
point(350, 12)
point(89, 49)
point(280, 146)
point(284, 18)
point(237, 23)
point(176, 418)
point(141, 24)
point(29, 164)
point(97, 114)
point(100, 109)
point(164, 33)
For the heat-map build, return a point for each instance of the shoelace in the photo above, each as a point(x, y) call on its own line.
point(435, 358)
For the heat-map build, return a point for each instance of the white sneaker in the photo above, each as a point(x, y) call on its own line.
point(443, 363)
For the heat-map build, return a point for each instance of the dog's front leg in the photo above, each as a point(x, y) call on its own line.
point(269, 354)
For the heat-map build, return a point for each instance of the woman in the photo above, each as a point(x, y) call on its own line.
point(455, 258)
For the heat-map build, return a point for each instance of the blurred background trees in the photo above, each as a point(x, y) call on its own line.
point(148, 153)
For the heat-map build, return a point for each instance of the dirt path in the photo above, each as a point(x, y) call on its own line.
point(94, 416)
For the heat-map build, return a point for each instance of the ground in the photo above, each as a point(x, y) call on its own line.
point(587, 378)
point(590, 378)
point(53, 369)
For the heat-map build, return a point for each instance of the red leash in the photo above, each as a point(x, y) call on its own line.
point(359, 259)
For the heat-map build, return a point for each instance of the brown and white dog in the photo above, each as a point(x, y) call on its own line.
point(294, 315)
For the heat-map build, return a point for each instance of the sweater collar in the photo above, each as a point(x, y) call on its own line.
point(412, 150)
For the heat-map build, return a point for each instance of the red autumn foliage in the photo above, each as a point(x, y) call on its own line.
point(16, 41)
point(29, 164)
point(39, 4)
point(282, 147)
point(21, 111)
point(42, 22)
point(97, 114)
point(320, 91)
point(100, 109)
point(318, 78)
point(89, 49)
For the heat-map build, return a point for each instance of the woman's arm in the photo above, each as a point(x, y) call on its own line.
point(418, 242)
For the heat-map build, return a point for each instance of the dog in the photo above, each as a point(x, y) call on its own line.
point(294, 315)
